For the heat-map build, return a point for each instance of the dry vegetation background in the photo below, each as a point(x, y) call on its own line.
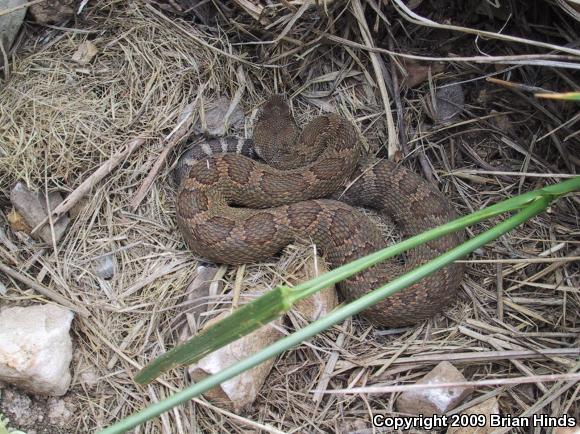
point(518, 309)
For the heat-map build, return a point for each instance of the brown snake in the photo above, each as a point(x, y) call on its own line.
point(233, 209)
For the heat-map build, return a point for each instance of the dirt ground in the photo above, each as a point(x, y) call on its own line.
point(458, 81)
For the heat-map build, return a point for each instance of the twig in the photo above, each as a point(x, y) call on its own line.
point(521, 261)
point(519, 86)
point(397, 98)
point(393, 142)
point(328, 369)
point(49, 293)
point(518, 174)
point(499, 291)
point(474, 384)
point(411, 16)
point(471, 357)
point(525, 59)
point(86, 186)
point(553, 393)
point(173, 138)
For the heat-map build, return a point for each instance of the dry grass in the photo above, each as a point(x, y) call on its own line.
point(520, 298)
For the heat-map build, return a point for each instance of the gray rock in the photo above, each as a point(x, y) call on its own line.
point(449, 102)
point(37, 414)
point(217, 119)
point(10, 23)
point(31, 205)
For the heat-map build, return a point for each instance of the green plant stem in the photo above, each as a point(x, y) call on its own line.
point(534, 207)
point(274, 304)
point(312, 286)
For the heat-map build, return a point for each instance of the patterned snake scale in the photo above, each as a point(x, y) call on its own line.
point(233, 209)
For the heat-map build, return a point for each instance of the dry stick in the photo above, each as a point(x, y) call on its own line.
point(519, 86)
point(173, 138)
point(499, 345)
point(397, 98)
point(463, 384)
point(523, 59)
point(393, 145)
point(499, 291)
point(400, 350)
point(328, 369)
point(411, 16)
point(517, 174)
point(555, 391)
point(5, 63)
point(255, 11)
point(86, 186)
point(472, 357)
point(49, 293)
point(292, 21)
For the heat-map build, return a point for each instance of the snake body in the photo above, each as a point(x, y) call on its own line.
point(233, 209)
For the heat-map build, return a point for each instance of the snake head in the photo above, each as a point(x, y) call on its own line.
point(276, 107)
point(275, 132)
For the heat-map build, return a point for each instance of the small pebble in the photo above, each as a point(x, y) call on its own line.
point(105, 266)
point(85, 53)
point(449, 102)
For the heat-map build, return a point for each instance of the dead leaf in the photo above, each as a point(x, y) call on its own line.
point(85, 53)
point(417, 72)
point(17, 222)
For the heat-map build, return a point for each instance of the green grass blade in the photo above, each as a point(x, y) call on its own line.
point(272, 305)
point(535, 207)
point(242, 321)
point(565, 96)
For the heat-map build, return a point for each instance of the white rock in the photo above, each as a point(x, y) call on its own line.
point(321, 303)
point(434, 400)
point(36, 348)
point(241, 391)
